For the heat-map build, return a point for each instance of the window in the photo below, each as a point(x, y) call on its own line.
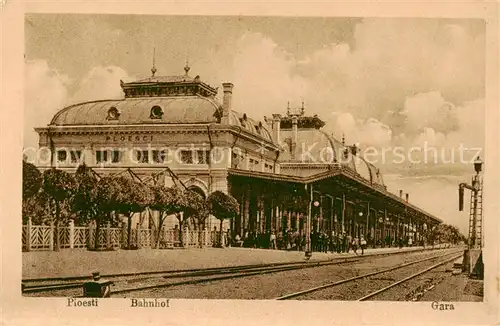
point(195, 156)
point(203, 157)
point(75, 156)
point(113, 113)
point(142, 156)
point(156, 112)
point(236, 159)
point(62, 155)
point(159, 156)
point(187, 157)
point(116, 156)
point(108, 156)
point(101, 156)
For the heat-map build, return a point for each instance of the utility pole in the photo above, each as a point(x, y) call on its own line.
point(308, 251)
point(472, 262)
point(475, 214)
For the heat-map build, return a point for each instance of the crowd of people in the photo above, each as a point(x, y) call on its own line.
point(340, 242)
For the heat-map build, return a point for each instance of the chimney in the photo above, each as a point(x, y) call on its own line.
point(400, 193)
point(226, 102)
point(407, 196)
point(276, 128)
point(354, 149)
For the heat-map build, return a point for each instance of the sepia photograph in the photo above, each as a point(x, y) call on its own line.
point(187, 158)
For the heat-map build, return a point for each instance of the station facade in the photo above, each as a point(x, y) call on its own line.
point(176, 122)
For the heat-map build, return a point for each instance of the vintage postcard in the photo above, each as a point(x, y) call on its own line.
point(209, 163)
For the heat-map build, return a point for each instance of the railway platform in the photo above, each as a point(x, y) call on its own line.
point(78, 262)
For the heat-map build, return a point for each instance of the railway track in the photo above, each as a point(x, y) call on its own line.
point(443, 259)
point(194, 276)
point(123, 283)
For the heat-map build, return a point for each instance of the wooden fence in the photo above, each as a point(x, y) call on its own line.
point(42, 237)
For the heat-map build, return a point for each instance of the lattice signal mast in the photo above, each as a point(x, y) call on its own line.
point(476, 206)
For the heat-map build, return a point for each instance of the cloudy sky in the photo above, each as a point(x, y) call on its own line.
point(383, 83)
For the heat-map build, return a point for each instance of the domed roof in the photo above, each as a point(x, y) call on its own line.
point(362, 168)
point(313, 146)
point(162, 110)
point(158, 100)
point(256, 127)
point(368, 171)
point(317, 146)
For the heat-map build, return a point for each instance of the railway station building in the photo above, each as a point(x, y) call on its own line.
point(177, 122)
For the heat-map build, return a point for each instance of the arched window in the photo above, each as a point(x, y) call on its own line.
point(156, 112)
point(198, 190)
point(113, 113)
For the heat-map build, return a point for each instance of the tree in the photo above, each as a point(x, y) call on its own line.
point(58, 187)
point(132, 197)
point(448, 233)
point(34, 205)
point(444, 233)
point(222, 206)
point(166, 201)
point(93, 198)
point(36, 208)
point(85, 200)
point(32, 180)
point(195, 208)
point(183, 203)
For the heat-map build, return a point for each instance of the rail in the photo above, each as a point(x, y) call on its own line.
point(193, 276)
point(333, 284)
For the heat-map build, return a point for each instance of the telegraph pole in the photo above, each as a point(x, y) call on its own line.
point(472, 262)
point(475, 216)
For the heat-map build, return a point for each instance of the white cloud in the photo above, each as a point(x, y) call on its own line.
point(263, 78)
point(369, 132)
point(101, 83)
point(394, 82)
point(45, 94)
point(429, 110)
point(426, 192)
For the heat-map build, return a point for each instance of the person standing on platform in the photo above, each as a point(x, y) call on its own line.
point(298, 240)
point(363, 245)
point(272, 240)
point(245, 239)
point(348, 242)
point(325, 241)
point(279, 240)
point(332, 241)
point(342, 241)
point(410, 241)
point(355, 244)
